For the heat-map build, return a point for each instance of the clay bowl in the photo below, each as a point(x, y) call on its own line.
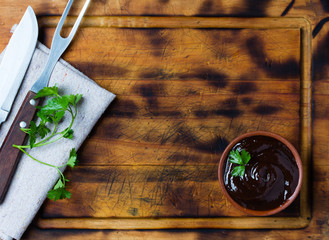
point(273, 176)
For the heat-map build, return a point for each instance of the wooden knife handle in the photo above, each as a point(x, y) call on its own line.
point(9, 156)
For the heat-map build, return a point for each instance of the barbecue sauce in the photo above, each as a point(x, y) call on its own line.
point(271, 175)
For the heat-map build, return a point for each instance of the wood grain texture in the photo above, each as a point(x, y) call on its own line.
point(314, 10)
point(9, 156)
point(145, 191)
point(183, 93)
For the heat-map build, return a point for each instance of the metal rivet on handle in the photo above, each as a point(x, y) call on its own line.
point(32, 102)
point(22, 124)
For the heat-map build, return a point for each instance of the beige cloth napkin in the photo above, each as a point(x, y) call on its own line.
point(32, 180)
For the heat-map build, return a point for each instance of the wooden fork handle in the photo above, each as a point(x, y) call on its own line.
point(9, 156)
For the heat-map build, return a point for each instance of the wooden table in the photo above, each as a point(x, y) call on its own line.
point(315, 11)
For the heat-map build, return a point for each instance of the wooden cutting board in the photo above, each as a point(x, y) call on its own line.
point(185, 86)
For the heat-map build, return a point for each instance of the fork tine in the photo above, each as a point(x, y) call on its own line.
point(59, 43)
point(63, 17)
point(77, 22)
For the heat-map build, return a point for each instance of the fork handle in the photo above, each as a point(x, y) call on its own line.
point(9, 156)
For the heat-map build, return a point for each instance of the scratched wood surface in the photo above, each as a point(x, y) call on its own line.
point(182, 95)
point(317, 11)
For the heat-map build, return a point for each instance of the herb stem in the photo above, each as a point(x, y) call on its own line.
point(61, 175)
point(44, 163)
point(43, 143)
point(48, 138)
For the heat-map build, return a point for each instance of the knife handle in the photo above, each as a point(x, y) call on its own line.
point(9, 156)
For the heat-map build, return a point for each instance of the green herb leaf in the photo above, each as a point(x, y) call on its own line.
point(47, 91)
point(59, 184)
point(68, 134)
point(238, 171)
point(70, 99)
point(235, 157)
point(32, 134)
point(59, 115)
point(59, 193)
point(240, 158)
point(53, 105)
point(43, 130)
point(72, 162)
point(245, 156)
point(63, 101)
point(77, 98)
point(44, 118)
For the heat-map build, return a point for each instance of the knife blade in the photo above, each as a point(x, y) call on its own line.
point(9, 155)
point(16, 59)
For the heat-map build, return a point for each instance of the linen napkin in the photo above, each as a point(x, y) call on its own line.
point(33, 180)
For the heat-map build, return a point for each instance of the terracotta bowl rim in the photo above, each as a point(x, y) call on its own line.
point(297, 159)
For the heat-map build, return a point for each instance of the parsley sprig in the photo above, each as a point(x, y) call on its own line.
point(240, 158)
point(46, 132)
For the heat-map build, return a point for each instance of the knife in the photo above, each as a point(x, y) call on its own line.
point(9, 155)
point(14, 64)
point(16, 59)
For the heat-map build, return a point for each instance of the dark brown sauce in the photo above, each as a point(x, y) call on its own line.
point(270, 178)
